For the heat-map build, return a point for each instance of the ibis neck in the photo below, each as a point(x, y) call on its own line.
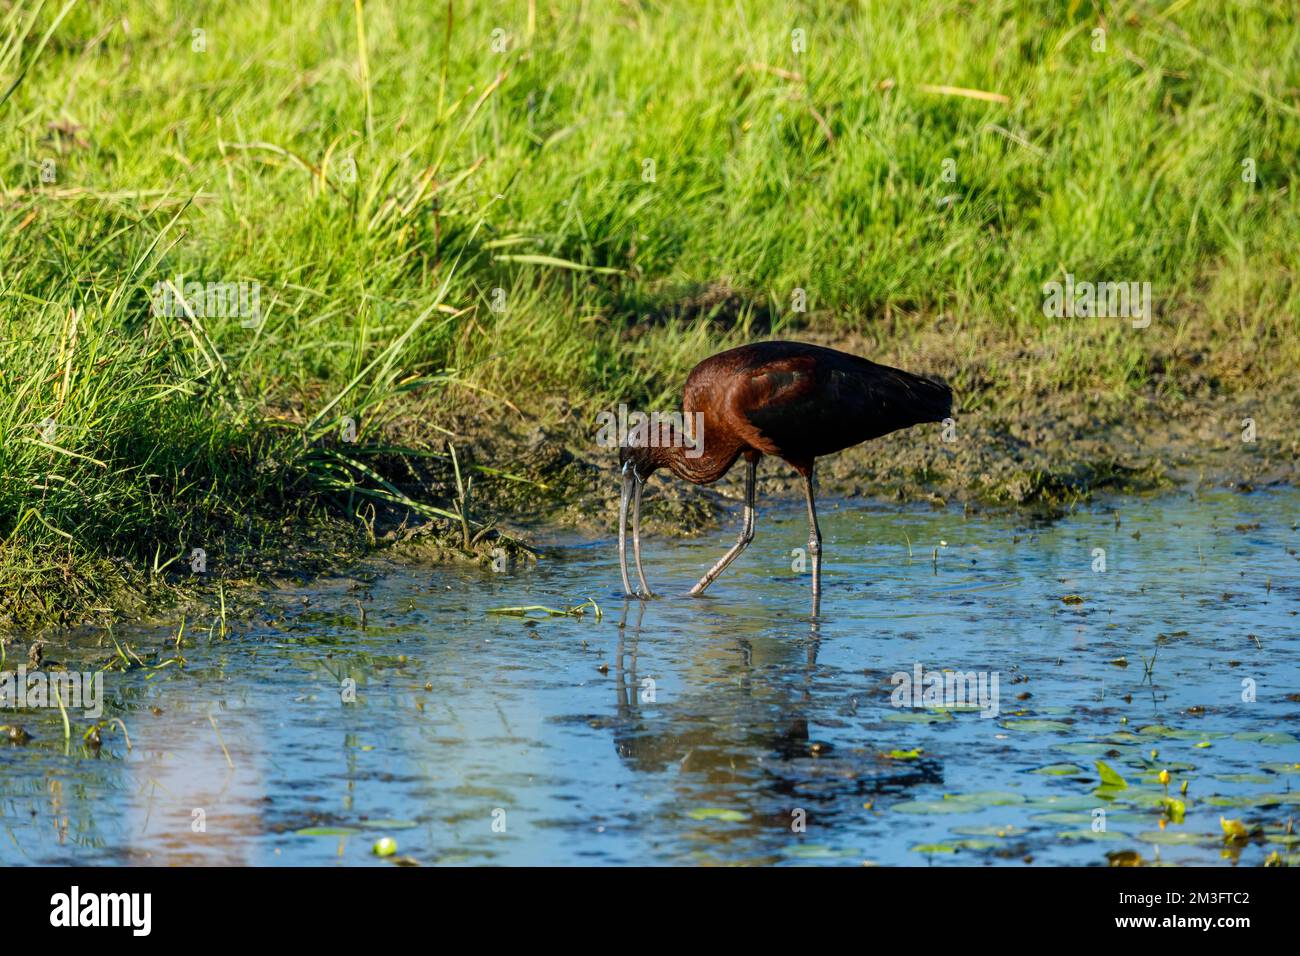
point(702, 469)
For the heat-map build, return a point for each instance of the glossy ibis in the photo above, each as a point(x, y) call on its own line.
point(793, 401)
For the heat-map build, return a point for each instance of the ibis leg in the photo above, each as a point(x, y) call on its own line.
point(625, 494)
point(636, 541)
point(814, 537)
point(746, 533)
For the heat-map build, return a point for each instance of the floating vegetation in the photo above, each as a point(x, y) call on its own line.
point(577, 610)
point(717, 813)
point(897, 754)
point(1109, 778)
point(1031, 726)
point(926, 807)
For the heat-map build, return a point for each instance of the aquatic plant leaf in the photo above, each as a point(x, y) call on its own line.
point(924, 717)
point(817, 851)
point(1277, 738)
point(1090, 834)
point(933, 806)
point(934, 848)
point(987, 798)
point(1109, 778)
point(1063, 802)
point(1157, 730)
point(1063, 818)
point(1219, 800)
point(990, 830)
point(717, 813)
point(1059, 770)
point(1174, 837)
point(1151, 799)
point(904, 754)
point(389, 824)
point(1087, 749)
point(1031, 726)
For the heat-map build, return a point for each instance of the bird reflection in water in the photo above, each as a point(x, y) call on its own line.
point(739, 737)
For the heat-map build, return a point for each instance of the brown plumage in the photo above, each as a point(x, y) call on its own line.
point(789, 400)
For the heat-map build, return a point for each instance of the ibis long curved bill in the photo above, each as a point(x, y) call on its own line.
point(631, 493)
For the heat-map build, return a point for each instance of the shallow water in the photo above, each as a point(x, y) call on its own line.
point(728, 729)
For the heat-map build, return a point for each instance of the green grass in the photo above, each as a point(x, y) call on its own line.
point(524, 170)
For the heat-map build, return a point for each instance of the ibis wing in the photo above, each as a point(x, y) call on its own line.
point(769, 402)
point(799, 408)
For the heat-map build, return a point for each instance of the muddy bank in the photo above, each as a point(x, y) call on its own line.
point(1033, 426)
